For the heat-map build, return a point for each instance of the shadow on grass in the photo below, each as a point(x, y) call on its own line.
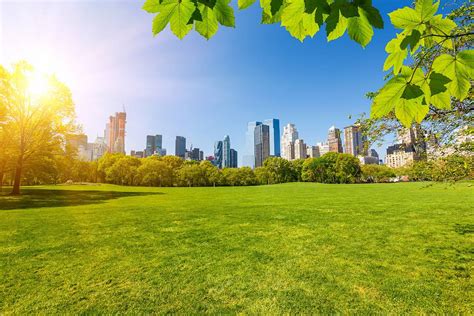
point(39, 198)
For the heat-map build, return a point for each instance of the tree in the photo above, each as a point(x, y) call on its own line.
point(38, 113)
point(348, 168)
point(279, 170)
point(123, 171)
point(377, 173)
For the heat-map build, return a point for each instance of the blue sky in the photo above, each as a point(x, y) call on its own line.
point(203, 90)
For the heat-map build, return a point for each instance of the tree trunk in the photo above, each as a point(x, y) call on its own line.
point(17, 181)
point(2, 173)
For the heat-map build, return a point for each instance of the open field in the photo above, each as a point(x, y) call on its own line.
point(299, 248)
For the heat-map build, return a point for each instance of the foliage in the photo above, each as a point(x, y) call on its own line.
point(33, 124)
point(377, 173)
point(443, 69)
point(332, 168)
point(301, 18)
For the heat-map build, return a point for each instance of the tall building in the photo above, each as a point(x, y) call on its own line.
point(372, 158)
point(300, 149)
point(154, 144)
point(354, 141)
point(233, 158)
point(262, 144)
point(180, 146)
point(248, 158)
point(323, 148)
point(218, 154)
point(312, 151)
point(115, 133)
point(274, 125)
point(226, 152)
point(290, 135)
point(99, 148)
point(334, 140)
point(411, 147)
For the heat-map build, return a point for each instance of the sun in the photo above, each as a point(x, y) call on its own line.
point(38, 85)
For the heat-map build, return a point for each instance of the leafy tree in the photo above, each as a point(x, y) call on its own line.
point(297, 167)
point(377, 173)
point(152, 172)
point(348, 168)
point(36, 120)
point(262, 175)
point(279, 170)
point(123, 171)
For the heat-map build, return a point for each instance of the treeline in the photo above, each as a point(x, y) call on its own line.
point(168, 171)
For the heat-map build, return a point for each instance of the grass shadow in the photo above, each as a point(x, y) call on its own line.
point(40, 198)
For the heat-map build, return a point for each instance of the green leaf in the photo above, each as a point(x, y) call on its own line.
point(310, 25)
point(310, 5)
point(408, 111)
point(243, 4)
point(396, 55)
point(359, 29)
point(388, 97)
point(458, 69)
point(426, 9)
point(196, 16)
point(405, 18)
point(224, 13)
point(336, 24)
point(151, 6)
point(163, 17)
point(208, 26)
point(275, 6)
point(413, 40)
point(441, 100)
point(182, 12)
point(441, 27)
point(208, 3)
point(373, 15)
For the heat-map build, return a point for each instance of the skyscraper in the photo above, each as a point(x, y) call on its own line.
point(262, 144)
point(218, 154)
point(249, 155)
point(226, 152)
point(233, 158)
point(323, 148)
point(115, 133)
point(334, 140)
point(312, 151)
point(290, 135)
point(354, 141)
point(300, 149)
point(153, 145)
point(274, 125)
point(180, 146)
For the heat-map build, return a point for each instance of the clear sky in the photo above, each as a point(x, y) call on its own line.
point(105, 52)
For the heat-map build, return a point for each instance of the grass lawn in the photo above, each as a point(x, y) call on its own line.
point(291, 248)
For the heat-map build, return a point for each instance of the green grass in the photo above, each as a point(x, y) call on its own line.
point(292, 248)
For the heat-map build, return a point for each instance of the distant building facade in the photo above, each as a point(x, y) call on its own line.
point(218, 154)
point(312, 152)
point(115, 133)
point(154, 144)
point(354, 141)
point(226, 152)
point(334, 140)
point(233, 158)
point(300, 149)
point(323, 148)
point(180, 146)
point(248, 159)
point(290, 135)
point(262, 144)
point(274, 131)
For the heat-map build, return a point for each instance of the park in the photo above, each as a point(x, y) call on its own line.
point(275, 249)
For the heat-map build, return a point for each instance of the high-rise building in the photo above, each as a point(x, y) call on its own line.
point(154, 145)
point(226, 152)
point(262, 144)
point(115, 133)
point(334, 140)
point(290, 135)
point(249, 156)
point(194, 154)
point(99, 148)
point(233, 158)
point(180, 146)
point(218, 154)
point(354, 141)
point(312, 151)
point(323, 148)
point(300, 149)
point(274, 125)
